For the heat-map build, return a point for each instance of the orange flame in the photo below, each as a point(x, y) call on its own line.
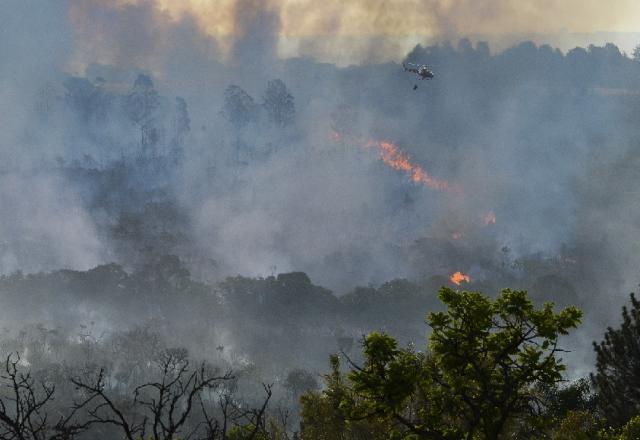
point(396, 159)
point(489, 218)
point(459, 277)
point(391, 155)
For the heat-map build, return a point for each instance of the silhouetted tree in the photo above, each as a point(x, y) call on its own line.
point(482, 49)
point(159, 408)
point(26, 411)
point(239, 107)
point(182, 122)
point(636, 53)
point(300, 381)
point(237, 420)
point(617, 376)
point(279, 104)
point(142, 103)
point(575, 396)
point(88, 100)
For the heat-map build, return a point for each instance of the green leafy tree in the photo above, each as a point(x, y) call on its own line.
point(478, 379)
point(323, 419)
point(585, 425)
point(575, 396)
point(631, 430)
point(617, 376)
point(569, 411)
point(579, 425)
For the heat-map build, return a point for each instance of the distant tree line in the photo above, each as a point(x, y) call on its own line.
point(492, 369)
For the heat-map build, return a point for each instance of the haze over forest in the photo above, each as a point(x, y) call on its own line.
point(249, 186)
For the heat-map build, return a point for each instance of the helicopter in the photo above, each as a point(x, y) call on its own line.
point(422, 70)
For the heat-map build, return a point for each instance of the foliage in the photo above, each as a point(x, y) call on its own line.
point(492, 352)
point(578, 425)
point(585, 425)
point(631, 431)
point(617, 376)
point(560, 400)
point(484, 358)
point(323, 419)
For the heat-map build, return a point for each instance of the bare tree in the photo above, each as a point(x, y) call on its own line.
point(26, 411)
point(234, 416)
point(162, 408)
point(165, 409)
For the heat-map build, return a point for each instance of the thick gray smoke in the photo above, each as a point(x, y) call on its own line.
point(43, 224)
point(144, 149)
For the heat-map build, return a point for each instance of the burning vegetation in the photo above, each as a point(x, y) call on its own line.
point(391, 155)
point(155, 174)
point(458, 277)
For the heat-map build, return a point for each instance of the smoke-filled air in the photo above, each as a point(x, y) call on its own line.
point(316, 220)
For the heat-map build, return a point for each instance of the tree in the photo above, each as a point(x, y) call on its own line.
point(181, 122)
point(485, 357)
point(631, 430)
point(237, 421)
point(575, 396)
point(88, 100)
point(159, 408)
point(491, 353)
point(569, 412)
point(322, 417)
point(142, 103)
point(25, 408)
point(617, 376)
point(299, 381)
point(239, 107)
point(579, 425)
point(279, 104)
point(636, 53)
